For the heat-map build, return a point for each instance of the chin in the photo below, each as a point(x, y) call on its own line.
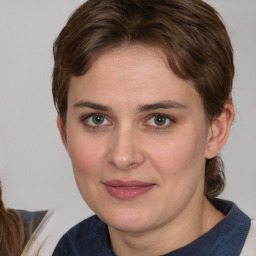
point(128, 221)
point(130, 227)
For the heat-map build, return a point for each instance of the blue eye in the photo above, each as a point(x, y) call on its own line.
point(159, 120)
point(96, 120)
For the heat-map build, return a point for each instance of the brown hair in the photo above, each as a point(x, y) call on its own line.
point(11, 239)
point(190, 33)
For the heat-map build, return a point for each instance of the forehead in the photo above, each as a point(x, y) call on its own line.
point(129, 62)
point(136, 72)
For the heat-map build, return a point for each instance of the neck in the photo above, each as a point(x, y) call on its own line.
point(196, 220)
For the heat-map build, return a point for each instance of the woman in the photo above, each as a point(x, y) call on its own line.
point(16, 227)
point(143, 93)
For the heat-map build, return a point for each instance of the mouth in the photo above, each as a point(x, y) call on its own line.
point(127, 190)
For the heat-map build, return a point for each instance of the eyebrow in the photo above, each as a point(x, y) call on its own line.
point(168, 104)
point(88, 104)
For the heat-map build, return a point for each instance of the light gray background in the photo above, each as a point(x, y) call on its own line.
point(34, 167)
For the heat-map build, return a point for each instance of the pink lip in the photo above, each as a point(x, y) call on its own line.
point(127, 190)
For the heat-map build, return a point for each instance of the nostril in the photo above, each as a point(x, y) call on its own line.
point(133, 165)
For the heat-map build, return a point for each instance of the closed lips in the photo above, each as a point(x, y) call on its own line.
point(127, 190)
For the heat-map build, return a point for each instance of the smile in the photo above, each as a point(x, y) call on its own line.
point(127, 190)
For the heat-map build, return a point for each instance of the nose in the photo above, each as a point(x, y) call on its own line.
point(125, 150)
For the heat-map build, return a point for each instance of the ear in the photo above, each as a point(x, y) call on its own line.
point(219, 131)
point(62, 131)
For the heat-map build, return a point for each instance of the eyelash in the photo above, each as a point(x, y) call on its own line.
point(84, 120)
point(171, 120)
point(164, 126)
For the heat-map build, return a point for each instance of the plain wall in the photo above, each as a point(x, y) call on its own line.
point(34, 168)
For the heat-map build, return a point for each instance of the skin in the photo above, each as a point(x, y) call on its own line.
point(128, 88)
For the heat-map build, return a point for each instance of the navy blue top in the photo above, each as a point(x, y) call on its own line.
point(91, 238)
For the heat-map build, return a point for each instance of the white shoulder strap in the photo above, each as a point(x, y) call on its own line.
point(250, 242)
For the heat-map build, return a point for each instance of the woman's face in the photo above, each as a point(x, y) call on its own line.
point(137, 136)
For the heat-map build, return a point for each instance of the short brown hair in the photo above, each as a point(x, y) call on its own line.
point(189, 32)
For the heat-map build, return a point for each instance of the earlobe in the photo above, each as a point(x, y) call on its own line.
point(219, 131)
point(62, 132)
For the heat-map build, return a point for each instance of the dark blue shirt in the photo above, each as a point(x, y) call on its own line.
point(91, 238)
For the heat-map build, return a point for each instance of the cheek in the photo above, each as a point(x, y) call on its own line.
point(87, 161)
point(178, 156)
point(86, 155)
point(180, 166)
